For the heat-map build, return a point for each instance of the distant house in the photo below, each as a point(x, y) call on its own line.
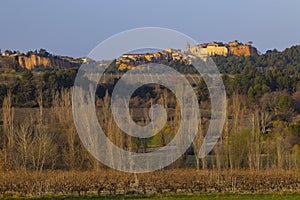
point(84, 60)
point(7, 53)
point(233, 43)
point(217, 48)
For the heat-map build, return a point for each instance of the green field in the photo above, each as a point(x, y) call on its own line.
point(275, 196)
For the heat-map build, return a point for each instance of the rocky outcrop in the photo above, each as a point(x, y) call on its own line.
point(243, 50)
point(34, 60)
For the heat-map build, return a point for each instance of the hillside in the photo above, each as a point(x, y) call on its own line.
point(231, 58)
point(36, 60)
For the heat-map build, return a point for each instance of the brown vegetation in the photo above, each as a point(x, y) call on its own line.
point(42, 154)
point(177, 181)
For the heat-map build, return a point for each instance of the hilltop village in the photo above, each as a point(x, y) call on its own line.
point(129, 61)
point(13, 60)
point(218, 48)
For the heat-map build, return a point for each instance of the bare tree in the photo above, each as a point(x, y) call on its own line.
point(41, 108)
point(237, 111)
point(197, 143)
point(24, 138)
point(254, 143)
point(8, 129)
point(62, 108)
point(8, 120)
point(43, 148)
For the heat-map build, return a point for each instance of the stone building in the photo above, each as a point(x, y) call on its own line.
point(218, 48)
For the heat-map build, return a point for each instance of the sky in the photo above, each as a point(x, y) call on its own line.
point(75, 27)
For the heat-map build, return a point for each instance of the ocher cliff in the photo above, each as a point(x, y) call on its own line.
point(243, 50)
point(33, 61)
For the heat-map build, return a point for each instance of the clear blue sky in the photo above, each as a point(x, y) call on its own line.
point(75, 27)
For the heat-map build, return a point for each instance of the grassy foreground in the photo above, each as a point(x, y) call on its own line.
point(275, 196)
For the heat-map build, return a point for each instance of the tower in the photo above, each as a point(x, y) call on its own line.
point(187, 47)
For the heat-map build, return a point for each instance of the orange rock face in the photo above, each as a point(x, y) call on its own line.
point(33, 61)
point(243, 50)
